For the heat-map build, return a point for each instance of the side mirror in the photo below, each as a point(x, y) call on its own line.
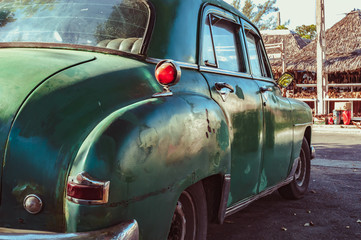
point(285, 80)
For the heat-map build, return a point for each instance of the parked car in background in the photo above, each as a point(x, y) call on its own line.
point(127, 119)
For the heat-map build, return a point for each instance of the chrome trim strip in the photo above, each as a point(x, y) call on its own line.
point(243, 203)
point(180, 64)
point(124, 231)
point(205, 69)
point(212, 9)
point(268, 80)
point(223, 16)
point(302, 124)
point(224, 198)
point(224, 72)
point(22, 231)
point(165, 93)
point(153, 60)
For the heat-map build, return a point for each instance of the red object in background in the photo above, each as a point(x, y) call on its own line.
point(330, 120)
point(346, 116)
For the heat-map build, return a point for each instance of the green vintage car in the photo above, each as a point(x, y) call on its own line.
point(139, 119)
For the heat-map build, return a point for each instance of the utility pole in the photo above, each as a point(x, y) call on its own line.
point(283, 56)
point(322, 81)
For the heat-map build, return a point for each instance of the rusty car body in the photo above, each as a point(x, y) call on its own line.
point(141, 119)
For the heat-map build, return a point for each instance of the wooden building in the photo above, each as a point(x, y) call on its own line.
point(292, 46)
point(342, 66)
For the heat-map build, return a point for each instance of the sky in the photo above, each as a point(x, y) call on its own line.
point(301, 12)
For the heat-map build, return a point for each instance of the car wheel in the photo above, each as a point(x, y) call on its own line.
point(190, 216)
point(298, 187)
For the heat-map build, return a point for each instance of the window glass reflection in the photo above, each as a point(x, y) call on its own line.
point(225, 44)
point(207, 48)
point(253, 55)
point(85, 22)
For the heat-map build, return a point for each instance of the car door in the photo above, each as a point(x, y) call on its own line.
point(278, 128)
point(223, 64)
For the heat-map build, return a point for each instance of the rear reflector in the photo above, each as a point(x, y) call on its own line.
point(85, 192)
point(83, 189)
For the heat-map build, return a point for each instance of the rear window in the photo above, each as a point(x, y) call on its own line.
point(84, 22)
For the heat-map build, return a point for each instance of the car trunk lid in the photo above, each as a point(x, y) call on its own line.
point(21, 71)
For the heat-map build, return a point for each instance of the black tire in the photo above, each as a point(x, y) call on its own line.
point(299, 185)
point(190, 217)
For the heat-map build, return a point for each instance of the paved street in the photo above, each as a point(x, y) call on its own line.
point(330, 210)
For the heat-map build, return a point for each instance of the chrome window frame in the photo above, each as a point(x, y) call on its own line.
point(248, 27)
point(207, 10)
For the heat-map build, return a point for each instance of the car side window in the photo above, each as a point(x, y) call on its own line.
point(266, 67)
point(257, 58)
point(253, 55)
point(208, 51)
point(220, 45)
point(224, 38)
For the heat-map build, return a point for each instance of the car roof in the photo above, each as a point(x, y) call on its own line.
point(219, 3)
point(175, 34)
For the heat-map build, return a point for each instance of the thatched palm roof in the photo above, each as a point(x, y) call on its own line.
point(343, 48)
point(293, 45)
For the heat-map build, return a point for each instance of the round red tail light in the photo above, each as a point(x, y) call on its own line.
point(167, 73)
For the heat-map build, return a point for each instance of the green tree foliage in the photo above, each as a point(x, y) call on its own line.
point(281, 27)
point(30, 7)
point(236, 4)
point(258, 13)
point(307, 31)
point(6, 16)
point(127, 19)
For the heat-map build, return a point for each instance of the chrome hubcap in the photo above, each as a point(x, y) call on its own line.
point(300, 174)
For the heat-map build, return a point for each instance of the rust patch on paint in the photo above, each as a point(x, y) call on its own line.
point(208, 125)
point(139, 198)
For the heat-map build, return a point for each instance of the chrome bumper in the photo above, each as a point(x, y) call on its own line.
point(124, 231)
point(313, 152)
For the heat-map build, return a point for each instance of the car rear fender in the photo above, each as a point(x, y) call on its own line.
point(150, 152)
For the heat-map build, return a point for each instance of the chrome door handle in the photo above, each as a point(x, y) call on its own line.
point(266, 89)
point(220, 85)
point(220, 88)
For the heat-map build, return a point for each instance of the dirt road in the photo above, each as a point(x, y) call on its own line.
point(330, 210)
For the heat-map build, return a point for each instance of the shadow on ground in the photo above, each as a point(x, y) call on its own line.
point(330, 210)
